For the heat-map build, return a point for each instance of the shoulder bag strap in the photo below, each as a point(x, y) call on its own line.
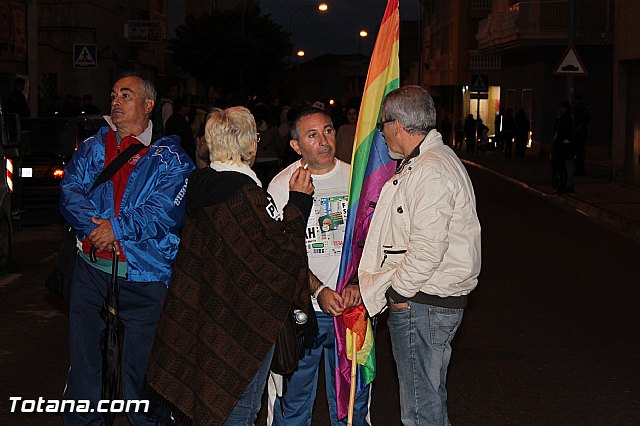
point(117, 164)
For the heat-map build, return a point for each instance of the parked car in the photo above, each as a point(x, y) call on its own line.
point(47, 146)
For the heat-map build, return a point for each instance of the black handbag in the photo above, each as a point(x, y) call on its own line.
point(59, 280)
point(297, 335)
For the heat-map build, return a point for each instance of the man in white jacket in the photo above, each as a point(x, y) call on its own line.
point(422, 253)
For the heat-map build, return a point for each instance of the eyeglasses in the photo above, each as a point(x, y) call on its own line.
point(257, 137)
point(380, 125)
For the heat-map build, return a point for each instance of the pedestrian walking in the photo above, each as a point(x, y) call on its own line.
point(422, 254)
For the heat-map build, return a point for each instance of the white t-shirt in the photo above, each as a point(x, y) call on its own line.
point(327, 221)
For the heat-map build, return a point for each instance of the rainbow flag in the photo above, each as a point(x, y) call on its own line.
point(371, 168)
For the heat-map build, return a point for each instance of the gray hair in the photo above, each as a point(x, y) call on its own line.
point(230, 134)
point(148, 86)
point(305, 112)
point(413, 107)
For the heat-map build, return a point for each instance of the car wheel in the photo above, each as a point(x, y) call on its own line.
point(5, 245)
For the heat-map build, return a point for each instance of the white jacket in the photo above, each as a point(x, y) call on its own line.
point(425, 234)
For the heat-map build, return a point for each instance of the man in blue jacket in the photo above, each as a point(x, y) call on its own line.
point(139, 211)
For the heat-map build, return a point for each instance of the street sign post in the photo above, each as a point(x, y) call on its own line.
point(479, 90)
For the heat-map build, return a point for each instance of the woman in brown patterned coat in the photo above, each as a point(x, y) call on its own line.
point(240, 267)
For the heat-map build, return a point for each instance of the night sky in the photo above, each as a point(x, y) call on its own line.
point(334, 31)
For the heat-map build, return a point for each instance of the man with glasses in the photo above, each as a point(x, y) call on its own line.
point(314, 138)
point(422, 254)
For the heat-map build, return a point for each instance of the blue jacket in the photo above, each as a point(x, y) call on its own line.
point(152, 209)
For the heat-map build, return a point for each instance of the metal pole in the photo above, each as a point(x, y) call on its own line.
point(420, 38)
point(572, 43)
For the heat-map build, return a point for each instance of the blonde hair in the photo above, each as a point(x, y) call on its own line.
point(230, 134)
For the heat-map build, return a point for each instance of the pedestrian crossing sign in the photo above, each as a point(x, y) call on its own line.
point(479, 83)
point(85, 56)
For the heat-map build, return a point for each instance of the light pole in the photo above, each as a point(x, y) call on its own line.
point(362, 34)
point(322, 7)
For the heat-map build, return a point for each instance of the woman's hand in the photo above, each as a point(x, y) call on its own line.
point(301, 181)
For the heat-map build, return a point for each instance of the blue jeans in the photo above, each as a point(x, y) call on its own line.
point(140, 308)
point(246, 409)
point(421, 338)
point(300, 395)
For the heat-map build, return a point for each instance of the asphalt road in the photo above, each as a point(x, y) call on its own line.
point(548, 338)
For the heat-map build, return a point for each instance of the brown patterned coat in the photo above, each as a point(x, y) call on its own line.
point(237, 272)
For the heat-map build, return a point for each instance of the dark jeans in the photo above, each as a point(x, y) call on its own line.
point(562, 173)
point(140, 309)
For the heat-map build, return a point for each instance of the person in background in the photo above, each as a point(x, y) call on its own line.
point(270, 147)
point(580, 133)
point(483, 137)
point(163, 110)
point(178, 125)
point(470, 129)
point(508, 132)
point(522, 133)
point(447, 129)
point(140, 212)
point(88, 108)
point(241, 266)
point(346, 136)
point(563, 150)
point(314, 138)
point(17, 102)
point(421, 257)
point(497, 125)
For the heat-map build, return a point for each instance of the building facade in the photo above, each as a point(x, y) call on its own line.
point(517, 46)
point(625, 153)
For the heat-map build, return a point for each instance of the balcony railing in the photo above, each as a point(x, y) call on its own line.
point(524, 20)
point(480, 4)
point(482, 62)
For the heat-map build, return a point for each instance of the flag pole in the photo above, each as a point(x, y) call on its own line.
point(354, 365)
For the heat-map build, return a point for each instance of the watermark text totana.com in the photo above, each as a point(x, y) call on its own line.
point(41, 405)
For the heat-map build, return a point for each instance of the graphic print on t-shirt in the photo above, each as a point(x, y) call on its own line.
point(326, 225)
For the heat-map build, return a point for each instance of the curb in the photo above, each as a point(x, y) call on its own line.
point(610, 220)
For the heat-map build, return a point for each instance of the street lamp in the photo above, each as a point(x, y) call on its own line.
point(322, 7)
point(300, 53)
point(362, 34)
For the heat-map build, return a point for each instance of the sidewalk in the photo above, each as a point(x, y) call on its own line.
point(615, 205)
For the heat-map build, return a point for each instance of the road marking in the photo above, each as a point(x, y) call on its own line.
point(8, 279)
